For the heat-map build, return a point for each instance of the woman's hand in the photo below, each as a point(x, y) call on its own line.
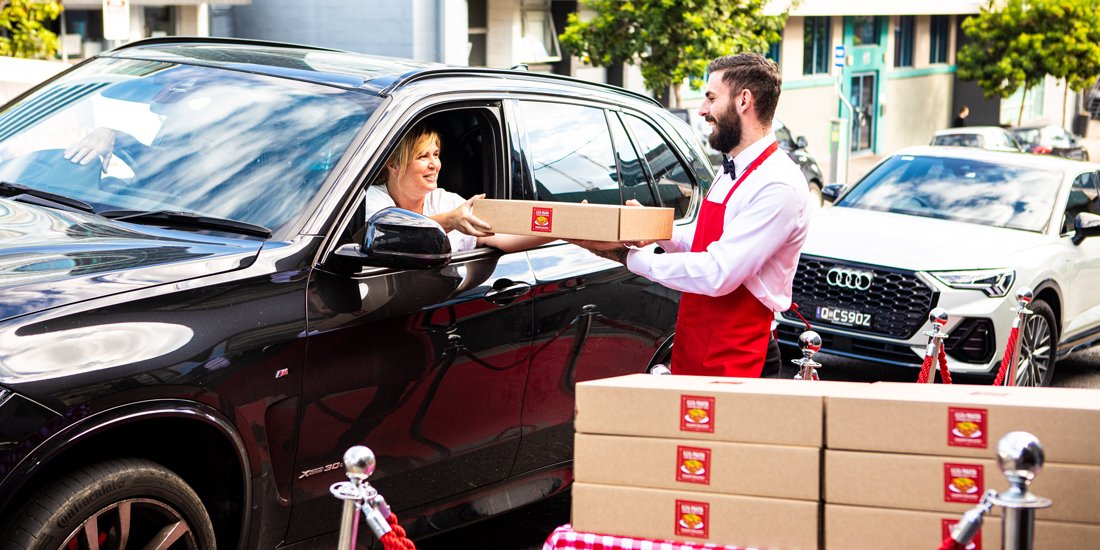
point(99, 143)
point(462, 219)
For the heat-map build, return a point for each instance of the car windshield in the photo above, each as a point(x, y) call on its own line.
point(963, 190)
point(152, 136)
point(958, 140)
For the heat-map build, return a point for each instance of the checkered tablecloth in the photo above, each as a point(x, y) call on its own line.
point(565, 538)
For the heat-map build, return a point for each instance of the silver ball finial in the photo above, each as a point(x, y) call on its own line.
point(1024, 295)
point(660, 369)
point(1020, 456)
point(359, 462)
point(938, 316)
point(810, 343)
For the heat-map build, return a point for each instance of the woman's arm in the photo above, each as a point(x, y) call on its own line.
point(513, 243)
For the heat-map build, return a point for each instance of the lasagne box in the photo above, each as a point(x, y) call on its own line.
point(953, 484)
point(564, 220)
point(965, 420)
point(745, 410)
point(659, 514)
point(698, 466)
point(861, 528)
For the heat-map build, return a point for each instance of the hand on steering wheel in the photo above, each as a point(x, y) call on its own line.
point(100, 143)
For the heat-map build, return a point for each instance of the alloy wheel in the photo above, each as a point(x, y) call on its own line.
point(1035, 348)
point(133, 523)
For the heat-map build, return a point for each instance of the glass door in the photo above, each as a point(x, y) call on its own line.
point(863, 101)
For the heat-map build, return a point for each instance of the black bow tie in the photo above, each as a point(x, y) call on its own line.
point(727, 165)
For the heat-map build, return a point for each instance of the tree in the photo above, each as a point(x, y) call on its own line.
point(22, 29)
point(672, 40)
point(1017, 43)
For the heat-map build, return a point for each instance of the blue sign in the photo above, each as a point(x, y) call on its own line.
point(838, 55)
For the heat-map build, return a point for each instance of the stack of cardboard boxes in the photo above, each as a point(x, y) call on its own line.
point(782, 464)
point(904, 461)
point(733, 461)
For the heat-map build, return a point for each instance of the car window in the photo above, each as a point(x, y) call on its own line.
point(959, 189)
point(1057, 137)
point(783, 136)
point(1082, 198)
point(571, 152)
point(958, 140)
point(674, 185)
point(1029, 137)
point(635, 184)
point(1007, 141)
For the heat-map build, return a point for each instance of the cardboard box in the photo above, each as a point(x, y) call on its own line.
point(699, 466)
point(744, 410)
point(953, 484)
point(860, 528)
point(695, 517)
point(565, 220)
point(965, 420)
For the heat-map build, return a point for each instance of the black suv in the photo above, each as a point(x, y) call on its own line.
point(198, 320)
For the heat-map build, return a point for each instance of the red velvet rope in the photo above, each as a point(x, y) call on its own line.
point(794, 308)
point(944, 373)
point(1010, 349)
point(925, 369)
point(396, 539)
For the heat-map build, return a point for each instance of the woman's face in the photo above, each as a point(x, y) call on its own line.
point(421, 173)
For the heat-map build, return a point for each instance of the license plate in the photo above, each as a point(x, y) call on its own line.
point(846, 317)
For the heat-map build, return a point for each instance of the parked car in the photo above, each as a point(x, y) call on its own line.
point(962, 229)
point(993, 138)
point(794, 147)
point(189, 342)
point(1050, 140)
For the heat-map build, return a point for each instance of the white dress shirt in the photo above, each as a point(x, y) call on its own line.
point(438, 201)
point(766, 220)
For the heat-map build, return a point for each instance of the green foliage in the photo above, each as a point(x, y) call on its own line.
point(672, 40)
point(22, 29)
point(1018, 43)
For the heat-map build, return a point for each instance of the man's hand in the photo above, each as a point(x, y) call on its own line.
point(463, 220)
point(99, 143)
point(603, 249)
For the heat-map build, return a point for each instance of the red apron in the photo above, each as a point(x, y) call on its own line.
point(723, 335)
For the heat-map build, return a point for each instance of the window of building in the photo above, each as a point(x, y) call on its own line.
point(477, 13)
point(939, 30)
point(538, 38)
point(816, 44)
point(865, 30)
point(903, 41)
point(774, 50)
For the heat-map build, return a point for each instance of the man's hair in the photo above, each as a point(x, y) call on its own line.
point(755, 72)
point(418, 139)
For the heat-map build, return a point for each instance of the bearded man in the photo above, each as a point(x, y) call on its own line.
point(735, 266)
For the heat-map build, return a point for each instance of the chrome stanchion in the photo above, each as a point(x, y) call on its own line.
point(810, 343)
point(359, 495)
point(1023, 298)
point(659, 369)
point(1020, 457)
point(938, 318)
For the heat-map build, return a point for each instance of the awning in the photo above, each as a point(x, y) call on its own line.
point(875, 7)
point(98, 4)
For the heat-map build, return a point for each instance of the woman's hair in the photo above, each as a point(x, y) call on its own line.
point(417, 140)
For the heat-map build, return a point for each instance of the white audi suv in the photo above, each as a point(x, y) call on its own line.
point(965, 230)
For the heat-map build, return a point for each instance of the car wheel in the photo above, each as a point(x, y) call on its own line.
point(127, 503)
point(1038, 346)
point(816, 198)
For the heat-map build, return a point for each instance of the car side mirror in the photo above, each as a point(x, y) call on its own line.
point(1085, 225)
point(801, 142)
point(401, 239)
point(832, 191)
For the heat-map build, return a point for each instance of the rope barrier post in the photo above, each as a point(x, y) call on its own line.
point(938, 318)
point(1023, 298)
point(359, 464)
point(810, 343)
point(1020, 457)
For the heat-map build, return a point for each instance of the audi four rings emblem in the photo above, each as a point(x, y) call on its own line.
point(849, 278)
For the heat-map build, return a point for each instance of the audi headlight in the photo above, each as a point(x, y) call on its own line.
point(993, 282)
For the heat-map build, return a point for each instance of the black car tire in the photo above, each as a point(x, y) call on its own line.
point(1038, 346)
point(159, 504)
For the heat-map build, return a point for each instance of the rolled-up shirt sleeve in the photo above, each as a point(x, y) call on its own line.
point(760, 229)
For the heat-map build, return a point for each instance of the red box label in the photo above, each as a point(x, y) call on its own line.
point(949, 524)
point(962, 483)
point(696, 414)
point(693, 465)
point(542, 219)
point(967, 427)
point(692, 519)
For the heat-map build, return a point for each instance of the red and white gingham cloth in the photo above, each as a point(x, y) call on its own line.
point(565, 538)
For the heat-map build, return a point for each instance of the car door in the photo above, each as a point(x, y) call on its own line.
point(593, 318)
point(425, 367)
point(1082, 307)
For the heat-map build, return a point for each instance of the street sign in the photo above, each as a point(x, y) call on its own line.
point(838, 55)
point(116, 19)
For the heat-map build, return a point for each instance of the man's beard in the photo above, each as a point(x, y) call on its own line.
point(726, 133)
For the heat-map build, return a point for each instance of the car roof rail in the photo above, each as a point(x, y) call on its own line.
point(217, 40)
point(447, 71)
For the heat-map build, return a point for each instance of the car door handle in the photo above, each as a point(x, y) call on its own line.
point(506, 291)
